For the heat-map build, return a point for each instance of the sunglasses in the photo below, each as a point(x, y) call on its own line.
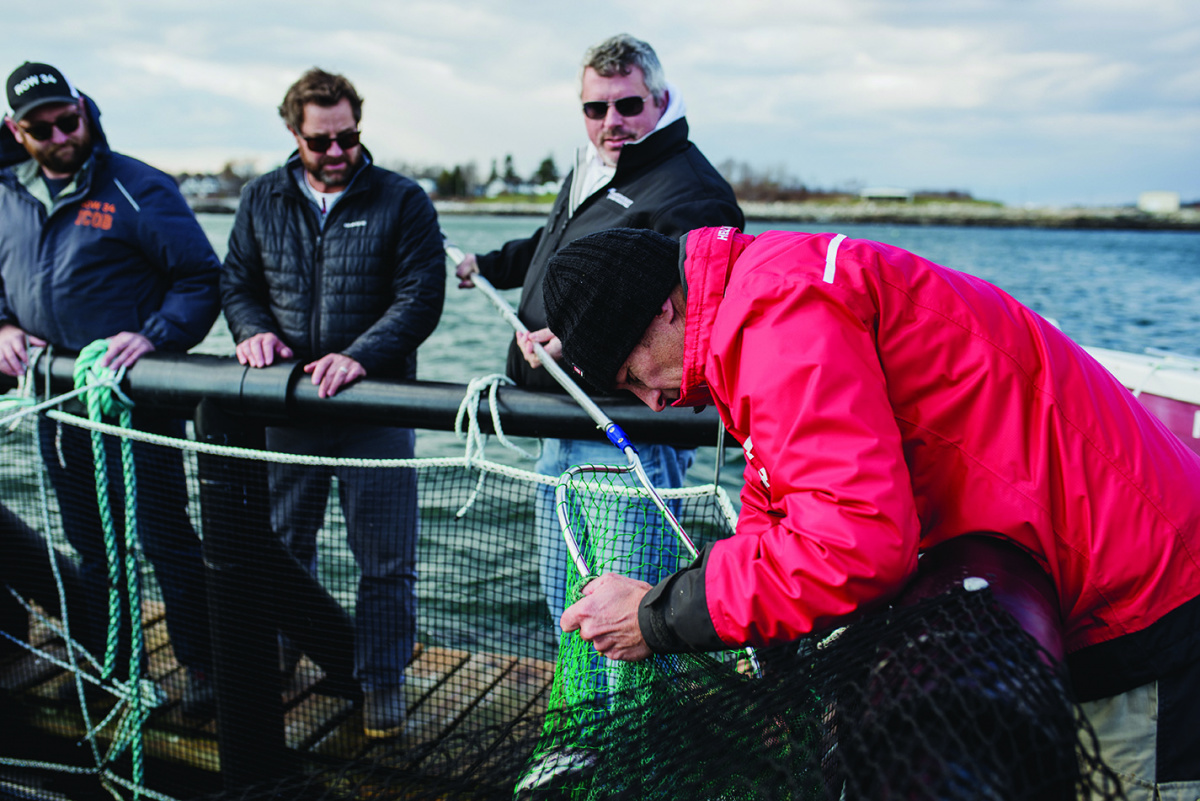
point(322, 143)
point(42, 130)
point(627, 107)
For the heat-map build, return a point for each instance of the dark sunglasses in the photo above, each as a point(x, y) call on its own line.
point(627, 107)
point(42, 130)
point(319, 144)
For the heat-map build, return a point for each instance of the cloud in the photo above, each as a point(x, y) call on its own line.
point(1014, 97)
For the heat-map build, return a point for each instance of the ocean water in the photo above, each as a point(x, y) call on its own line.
point(1126, 290)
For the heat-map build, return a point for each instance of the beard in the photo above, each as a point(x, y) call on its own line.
point(66, 157)
point(333, 178)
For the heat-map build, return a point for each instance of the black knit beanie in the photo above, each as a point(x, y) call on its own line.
point(601, 293)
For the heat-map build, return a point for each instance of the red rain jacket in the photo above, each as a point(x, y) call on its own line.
point(886, 404)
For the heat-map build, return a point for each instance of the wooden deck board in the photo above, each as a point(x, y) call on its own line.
point(155, 635)
point(448, 690)
point(30, 670)
point(443, 709)
point(500, 712)
point(428, 670)
point(304, 723)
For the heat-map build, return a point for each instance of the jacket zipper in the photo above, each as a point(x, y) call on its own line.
point(319, 266)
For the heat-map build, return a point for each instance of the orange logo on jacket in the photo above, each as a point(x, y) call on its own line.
point(95, 214)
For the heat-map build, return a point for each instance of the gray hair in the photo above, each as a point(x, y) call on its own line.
point(617, 55)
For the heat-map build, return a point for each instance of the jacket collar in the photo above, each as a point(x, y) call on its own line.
point(286, 183)
point(709, 256)
point(650, 150)
point(654, 148)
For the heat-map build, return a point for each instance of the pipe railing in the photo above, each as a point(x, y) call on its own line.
point(177, 383)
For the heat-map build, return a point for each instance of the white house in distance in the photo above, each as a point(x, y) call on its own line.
point(1158, 202)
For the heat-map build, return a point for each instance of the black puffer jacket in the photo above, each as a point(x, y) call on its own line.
point(663, 183)
point(370, 285)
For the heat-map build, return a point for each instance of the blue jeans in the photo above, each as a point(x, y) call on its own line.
point(166, 533)
point(380, 508)
point(665, 467)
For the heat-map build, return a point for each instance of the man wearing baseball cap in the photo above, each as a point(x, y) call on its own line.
point(97, 245)
point(887, 407)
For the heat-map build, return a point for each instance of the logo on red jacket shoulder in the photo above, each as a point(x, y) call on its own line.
point(756, 463)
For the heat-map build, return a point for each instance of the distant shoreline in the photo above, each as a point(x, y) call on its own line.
point(981, 215)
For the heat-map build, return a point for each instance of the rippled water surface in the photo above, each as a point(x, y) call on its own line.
point(1115, 289)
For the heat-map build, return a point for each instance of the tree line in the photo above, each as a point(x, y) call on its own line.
point(467, 181)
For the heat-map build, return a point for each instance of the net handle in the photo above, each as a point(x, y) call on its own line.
point(613, 431)
point(560, 509)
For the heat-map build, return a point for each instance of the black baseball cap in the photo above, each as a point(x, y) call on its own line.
point(32, 85)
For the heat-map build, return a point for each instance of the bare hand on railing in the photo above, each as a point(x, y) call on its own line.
point(465, 269)
point(124, 349)
point(13, 354)
point(332, 372)
point(543, 337)
point(607, 617)
point(260, 350)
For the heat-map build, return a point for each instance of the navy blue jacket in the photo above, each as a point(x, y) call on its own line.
point(369, 285)
point(121, 252)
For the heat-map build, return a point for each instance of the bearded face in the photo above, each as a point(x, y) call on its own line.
point(56, 136)
point(331, 169)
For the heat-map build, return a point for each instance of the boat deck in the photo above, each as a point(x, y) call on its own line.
point(449, 690)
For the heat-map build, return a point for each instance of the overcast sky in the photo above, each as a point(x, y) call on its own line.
point(1024, 101)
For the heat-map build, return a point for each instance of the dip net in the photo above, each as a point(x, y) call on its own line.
point(946, 699)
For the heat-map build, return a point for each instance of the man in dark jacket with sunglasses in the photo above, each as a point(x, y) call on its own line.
point(97, 245)
point(638, 171)
point(339, 263)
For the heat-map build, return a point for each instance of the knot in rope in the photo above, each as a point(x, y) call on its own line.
point(469, 408)
point(90, 374)
point(476, 439)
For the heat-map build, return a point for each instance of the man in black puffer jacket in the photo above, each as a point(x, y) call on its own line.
point(339, 263)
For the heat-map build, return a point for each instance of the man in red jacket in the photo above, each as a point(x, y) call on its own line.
point(887, 405)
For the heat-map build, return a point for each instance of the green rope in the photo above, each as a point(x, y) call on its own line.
point(106, 399)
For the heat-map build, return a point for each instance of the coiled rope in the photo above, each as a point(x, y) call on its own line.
point(138, 695)
point(104, 398)
point(476, 439)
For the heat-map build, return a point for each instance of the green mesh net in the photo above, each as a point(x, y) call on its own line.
point(612, 524)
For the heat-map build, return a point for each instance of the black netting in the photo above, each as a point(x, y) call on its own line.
point(947, 699)
point(944, 700)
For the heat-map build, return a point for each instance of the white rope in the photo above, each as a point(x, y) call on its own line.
point(105, 775)
point(33, 763)
point(476, 439)
point(113, 384)
point(469, 408)
point(128, 785)
point(291, 458)
point(48, 622)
